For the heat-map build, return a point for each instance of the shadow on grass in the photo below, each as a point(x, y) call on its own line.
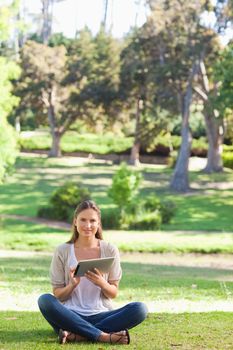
point(186, 331)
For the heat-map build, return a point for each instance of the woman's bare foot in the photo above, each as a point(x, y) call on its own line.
point(121, 337)
point(68, 337)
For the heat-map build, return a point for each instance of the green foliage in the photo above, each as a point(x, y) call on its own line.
point(34, 141)
point(110, 218)
point(8, 71)
point(8, 149)
point(147, 221)
point(146, 213)
point(125, 185)
point(64, 201)
point(8, 139)
point(152, 203)
point(73, 141)
point(227, 158)
point(167, 209)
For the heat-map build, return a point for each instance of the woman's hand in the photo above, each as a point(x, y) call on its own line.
point(74, 279)
point(96, 278)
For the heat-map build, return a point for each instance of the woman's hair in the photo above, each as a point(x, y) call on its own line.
point(87, 204)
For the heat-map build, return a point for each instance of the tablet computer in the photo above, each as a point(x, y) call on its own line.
point(102, 264)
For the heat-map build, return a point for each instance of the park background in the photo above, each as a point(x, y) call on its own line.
point(139, 118)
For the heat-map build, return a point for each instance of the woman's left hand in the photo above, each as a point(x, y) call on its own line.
point(96, 278)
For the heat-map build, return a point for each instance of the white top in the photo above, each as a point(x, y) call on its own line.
point(85, 299)
point(60, 267)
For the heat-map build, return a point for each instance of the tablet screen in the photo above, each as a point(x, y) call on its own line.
point(102, 264)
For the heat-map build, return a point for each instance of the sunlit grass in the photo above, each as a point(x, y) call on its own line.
point(74, 142)
point(22, 235)
point(207, 207)
point(25, 278)
point(28, 330)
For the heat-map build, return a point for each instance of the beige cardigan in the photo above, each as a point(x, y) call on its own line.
point(59, 269)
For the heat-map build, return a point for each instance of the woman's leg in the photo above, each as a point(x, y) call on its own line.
point(125, 317)
point(60, 317)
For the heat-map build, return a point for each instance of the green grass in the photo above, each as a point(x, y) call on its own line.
point(25, 278)
point(23, 235)
point(74, 142)
point(28, 330)
point(207, 207)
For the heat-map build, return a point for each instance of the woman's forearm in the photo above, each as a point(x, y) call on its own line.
point(109, 290)
point(64, 293)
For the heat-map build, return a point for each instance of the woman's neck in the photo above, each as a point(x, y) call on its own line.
point(86, 243)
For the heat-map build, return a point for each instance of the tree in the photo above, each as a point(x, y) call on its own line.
point(223, 73)
point(134, 87)
point(8, 71)
point(47, 19)
point(175, 31)
point(137, 91)
point(94, 65)
point(41, 89)
point(207, 90)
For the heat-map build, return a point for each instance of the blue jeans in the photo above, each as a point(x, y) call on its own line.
point(90, 327)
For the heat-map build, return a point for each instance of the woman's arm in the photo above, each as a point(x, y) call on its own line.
point(63, 293)
point(109, 288)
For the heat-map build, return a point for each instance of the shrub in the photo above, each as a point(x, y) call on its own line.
point(46, 212)
point(172, 159)
point(64, 201)
point(228, 159)
point(167, 209)
point(110, 218)
point(8, 148)
point(125, 184)
point(199, 147)
point(152, 203)
point(147, 221)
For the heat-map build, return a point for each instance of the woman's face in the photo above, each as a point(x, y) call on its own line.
point(87, 223)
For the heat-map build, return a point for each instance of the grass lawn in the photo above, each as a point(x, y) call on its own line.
point(74, 142)
point(23, 279)
point(28, 330)
point(208, 207)
point(23, 235)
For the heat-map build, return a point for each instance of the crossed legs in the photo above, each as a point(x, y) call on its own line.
point(103, 327)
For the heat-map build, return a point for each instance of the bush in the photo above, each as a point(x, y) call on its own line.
point(152, 203)
point(199, 147)
point(110, 218)
point(147, 221)
point(227, 148)
point(46, 212)
point(228, 159)
point(167, 209)
point(125, 184)
point(64, 201)
point(8, 149)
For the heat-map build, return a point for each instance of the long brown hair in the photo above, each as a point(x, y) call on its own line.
point(87, 204)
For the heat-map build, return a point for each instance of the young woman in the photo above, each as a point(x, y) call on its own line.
point(80, 308)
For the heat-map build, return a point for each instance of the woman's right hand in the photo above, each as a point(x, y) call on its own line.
point(74, 279)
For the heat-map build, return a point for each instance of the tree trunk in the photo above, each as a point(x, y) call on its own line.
point(55, 133)
point(180, 179)
point(47, 20)
point(55, 150)
point(135, 150)
point(214, 126)
point(215, 139)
